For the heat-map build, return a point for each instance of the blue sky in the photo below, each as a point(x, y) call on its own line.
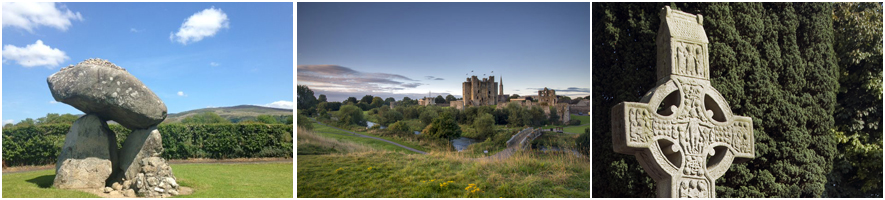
point(410, 49)
point(192, 55)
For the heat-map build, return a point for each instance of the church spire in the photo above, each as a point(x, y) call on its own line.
point(501, 91)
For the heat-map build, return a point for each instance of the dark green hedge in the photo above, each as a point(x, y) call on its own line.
point(39, 145)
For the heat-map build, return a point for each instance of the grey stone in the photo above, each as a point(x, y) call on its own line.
point(82, 173)
point(152, 181)
point(173, 192)
point(139, 144)
point(114, 194)
point(127, 184)
point(695, 137)
point(117, 186)
point(99, 87)
point(158, 189)
point(129, 193)
point(108, 189)
point(89, 136)
point(172, 181)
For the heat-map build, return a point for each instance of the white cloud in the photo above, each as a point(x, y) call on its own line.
point(202, 24)
point(8, 121)
point(281, 104)
point(133, 30)
point(180, 93)
point(53, 102)
point(214, 64)
point(36, 54)
point(29, 15)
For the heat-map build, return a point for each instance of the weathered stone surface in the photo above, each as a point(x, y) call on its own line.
point(89, 137)
point(151, 183)
point(694, 138)
point(82, 173)
point(129, 193)
point(96, 86)
point(139, 144)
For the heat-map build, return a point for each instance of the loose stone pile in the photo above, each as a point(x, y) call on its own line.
point(89, 158)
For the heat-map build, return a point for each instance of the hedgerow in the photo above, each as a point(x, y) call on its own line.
point(41, 144)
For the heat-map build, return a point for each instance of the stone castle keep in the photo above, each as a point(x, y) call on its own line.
point(476, 92)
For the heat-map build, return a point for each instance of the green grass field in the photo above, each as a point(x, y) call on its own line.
point(329, 132)
point(397, 175)
point(207, 180)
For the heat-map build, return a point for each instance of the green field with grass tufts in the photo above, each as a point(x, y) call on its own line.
point(238, 180)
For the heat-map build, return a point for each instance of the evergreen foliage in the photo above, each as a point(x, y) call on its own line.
point(773, 62)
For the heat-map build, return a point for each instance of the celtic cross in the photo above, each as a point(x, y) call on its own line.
point(682, 131)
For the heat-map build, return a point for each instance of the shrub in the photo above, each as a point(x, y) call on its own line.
point(305, 123)
point(583, 142)
point(41, 144)
point(399, 127)
point(428, 115)
point(574, 122)
point(484, 125)
point(443, 126)
point(351, 114)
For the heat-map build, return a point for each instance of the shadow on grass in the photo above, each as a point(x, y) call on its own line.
point(44, 181)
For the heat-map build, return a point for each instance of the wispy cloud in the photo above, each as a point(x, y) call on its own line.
point(200, 25)
point(8, 121)
point(433, 78)
point(181, 94)
point(214, 64)
point(30, 15)
point(344, 79)
point(281, 104)
point(567, 90)
point(36, 54)
point(134, 30)
point(53, 102)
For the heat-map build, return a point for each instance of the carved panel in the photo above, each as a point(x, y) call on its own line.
point(694, 188)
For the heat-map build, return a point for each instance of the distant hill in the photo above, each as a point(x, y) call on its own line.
point(234, 113)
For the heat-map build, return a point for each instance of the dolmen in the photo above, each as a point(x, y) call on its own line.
point(90, 158)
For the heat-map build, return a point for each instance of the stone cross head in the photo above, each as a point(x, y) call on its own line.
point(682, 131)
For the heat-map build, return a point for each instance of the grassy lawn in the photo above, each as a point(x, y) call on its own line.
point(207, 180)
point(397, 175)
point(585, 123)
point(326, 131)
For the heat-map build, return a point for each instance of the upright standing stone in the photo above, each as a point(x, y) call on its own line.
point(692, 138)
point(88, 155)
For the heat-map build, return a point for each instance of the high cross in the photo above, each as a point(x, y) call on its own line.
point(682, 131)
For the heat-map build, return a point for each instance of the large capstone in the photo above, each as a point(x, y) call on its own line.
point(89, 137)
point(97, 86)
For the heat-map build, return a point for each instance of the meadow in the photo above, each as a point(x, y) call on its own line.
point(357, 169)
point(237, 180)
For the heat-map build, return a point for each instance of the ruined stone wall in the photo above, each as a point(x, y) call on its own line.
point(476, 92)
point(581, 107)
point(547, 97)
